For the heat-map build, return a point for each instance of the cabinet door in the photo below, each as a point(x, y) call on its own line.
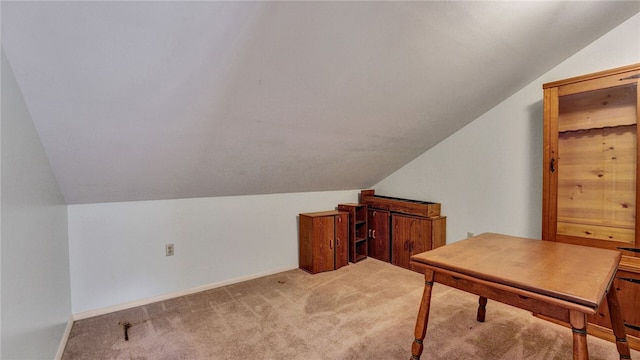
point(379, 234)
point(410, 235)
point(590, 153)
point(438, 232)
point(342, 240)
point(628, 286)
point(323, 243)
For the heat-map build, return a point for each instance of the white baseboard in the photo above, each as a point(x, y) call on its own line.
point(65, 337)
point(132, 304)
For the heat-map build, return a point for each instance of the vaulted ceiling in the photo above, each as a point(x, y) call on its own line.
point(176, 99)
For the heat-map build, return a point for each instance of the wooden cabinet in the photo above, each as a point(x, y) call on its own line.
point(379, 235)
point(400, 228)
point(358, 229)
point(591, 172)
point(627, 283)
point(323, 241)
point(590, 159)
point(412, 235)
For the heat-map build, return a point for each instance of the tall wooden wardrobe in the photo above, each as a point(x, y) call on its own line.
point(591, 173)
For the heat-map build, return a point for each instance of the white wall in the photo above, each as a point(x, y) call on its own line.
point(36, 301)
point(117, 250)
point(488, 175)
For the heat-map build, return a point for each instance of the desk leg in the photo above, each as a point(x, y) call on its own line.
point(423, 316)
point(617, 323)
point(482, 309)
point(578, 322)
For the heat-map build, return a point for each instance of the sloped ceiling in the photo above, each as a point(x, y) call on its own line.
point(160, 100)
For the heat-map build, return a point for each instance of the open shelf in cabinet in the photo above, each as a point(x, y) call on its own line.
point(358, 236)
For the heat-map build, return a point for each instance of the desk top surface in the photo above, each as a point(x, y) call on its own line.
point(573, 273)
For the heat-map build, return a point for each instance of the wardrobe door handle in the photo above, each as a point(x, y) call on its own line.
point(374, 234)
point(369, 232)
point(552, 165)
point(330, 243)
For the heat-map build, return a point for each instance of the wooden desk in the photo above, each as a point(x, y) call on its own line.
point(561, 281)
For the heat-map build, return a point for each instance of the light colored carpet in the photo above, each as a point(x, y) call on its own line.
point(363, 311)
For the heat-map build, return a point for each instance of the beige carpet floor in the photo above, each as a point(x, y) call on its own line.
point(363, 311)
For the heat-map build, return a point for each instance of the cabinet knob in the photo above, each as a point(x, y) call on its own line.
point(374, 233)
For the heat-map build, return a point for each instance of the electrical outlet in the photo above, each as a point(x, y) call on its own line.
point(169, 250)
point(469, 235)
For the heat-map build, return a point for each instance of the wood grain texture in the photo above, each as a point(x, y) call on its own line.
point(533, 265)
point(423, 316)
point(341, 235)
point(549, 166)
point(357, 239)
point(410, 235)
point(596, 190)
point(405, 206)
point(597, 80)
point(597, 109)
point(560, 281)
point(590, 194)
point(578, 323)
point(323, 241)
point(379, 234)
point(617, 324)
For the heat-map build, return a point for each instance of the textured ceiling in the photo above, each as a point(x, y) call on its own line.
point(159, 100)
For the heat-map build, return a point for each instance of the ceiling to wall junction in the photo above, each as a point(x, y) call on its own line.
point(161, 100)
